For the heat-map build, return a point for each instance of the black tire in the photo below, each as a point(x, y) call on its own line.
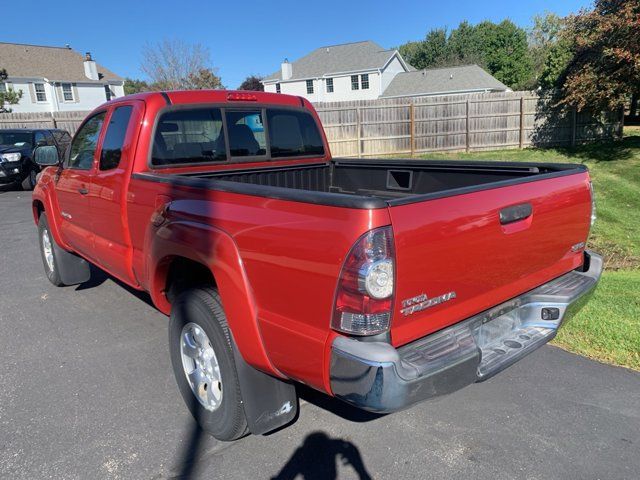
point(29, 183)
point(52, 273)
point(202, 306)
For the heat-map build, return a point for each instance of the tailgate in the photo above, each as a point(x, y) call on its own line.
point(456, 257)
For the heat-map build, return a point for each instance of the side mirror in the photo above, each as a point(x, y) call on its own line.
point(46, 156)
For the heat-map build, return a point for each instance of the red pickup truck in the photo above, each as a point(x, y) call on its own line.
point(380, 282)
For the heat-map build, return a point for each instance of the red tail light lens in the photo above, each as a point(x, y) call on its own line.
point(364, 298)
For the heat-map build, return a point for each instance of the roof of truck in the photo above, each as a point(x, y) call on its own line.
point(220, 96)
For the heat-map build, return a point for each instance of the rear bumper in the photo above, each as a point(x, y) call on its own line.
point(377, 377)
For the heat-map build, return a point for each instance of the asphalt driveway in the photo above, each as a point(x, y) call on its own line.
point(86, 391)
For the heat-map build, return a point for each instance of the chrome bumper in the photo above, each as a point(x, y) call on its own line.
point(377, 377)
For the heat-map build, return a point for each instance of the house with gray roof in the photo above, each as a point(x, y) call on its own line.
point(365, 71)
point(54, 79)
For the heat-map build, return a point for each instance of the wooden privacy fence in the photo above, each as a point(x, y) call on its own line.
point(69, 121)
point(408, 126)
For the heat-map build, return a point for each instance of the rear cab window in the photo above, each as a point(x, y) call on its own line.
point(188, 136)
point(193, 135)
point(293, 133)
point(246, 133)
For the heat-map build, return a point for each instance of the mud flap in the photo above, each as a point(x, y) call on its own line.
point(72, 268)
point(269, 403)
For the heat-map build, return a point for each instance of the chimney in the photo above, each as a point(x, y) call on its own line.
point(287, 70)
point(90, 68)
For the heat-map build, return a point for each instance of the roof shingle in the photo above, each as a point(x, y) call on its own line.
point(348, 57)
point(53, 63)
point(442, 80)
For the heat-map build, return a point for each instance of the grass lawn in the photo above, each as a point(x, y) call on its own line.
point(608, 328)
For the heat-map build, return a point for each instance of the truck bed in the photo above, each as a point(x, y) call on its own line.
point(370, 183)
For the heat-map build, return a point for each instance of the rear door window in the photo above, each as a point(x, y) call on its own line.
point(293, 133)
point(246, 133)
point(189, 136)
point(114, 138)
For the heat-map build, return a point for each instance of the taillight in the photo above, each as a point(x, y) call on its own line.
point(364, 297)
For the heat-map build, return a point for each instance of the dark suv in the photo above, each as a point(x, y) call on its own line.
point(16, 153)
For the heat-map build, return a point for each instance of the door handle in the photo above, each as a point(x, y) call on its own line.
point(515, 213)
point(83, 191)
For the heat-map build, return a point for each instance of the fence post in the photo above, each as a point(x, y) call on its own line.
point(522, 122)
point(412, 126)
point(574, 126)
point(468, 139)
point(358, 132)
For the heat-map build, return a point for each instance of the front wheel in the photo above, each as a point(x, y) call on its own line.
point(48, 253)
point(30, 181)
point(203, 364)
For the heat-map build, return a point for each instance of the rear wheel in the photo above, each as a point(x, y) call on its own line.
point(203, 364)
point(47, 252)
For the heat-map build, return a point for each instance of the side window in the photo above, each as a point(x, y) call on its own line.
point(293, 133)
point(83, 146)
point(189, 136)
point(246, 133)
point(39, 138)
point(114, 138)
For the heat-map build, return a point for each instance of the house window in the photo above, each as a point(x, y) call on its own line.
point(107, 93)
point(329, 85)
point(355, 85)
point(278, 88)
point(3, 87)
point(67, 92)
point(309, 87)
point(41, 95)
point(364, 81)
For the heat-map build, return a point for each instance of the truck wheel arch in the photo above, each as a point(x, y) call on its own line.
point(43, 204)
point(206, 249)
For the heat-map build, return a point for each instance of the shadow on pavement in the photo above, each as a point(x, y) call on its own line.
point(99, 276)
point(316, 459)
point(335, 406)
point(188, 456)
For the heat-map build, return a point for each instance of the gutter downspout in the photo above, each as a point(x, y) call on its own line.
point(55, 106)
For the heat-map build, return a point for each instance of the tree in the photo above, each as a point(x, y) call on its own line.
point(204, 79)
point(174, 64)
point(252, 82)
point(132, 85)
point(429, 53)
point(463, 45)
point(555, 63)
point(500, 48)
point(410, 51)
point(506, 53)
point(604, 70)
point(9, 96)
point(543, 39)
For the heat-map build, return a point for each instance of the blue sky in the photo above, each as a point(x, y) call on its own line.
point(247, 37)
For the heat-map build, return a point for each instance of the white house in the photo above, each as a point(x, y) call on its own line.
point(364, 71)
point(54, 79)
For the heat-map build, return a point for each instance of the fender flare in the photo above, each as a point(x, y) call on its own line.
point(42, 194)
point(217, 250)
